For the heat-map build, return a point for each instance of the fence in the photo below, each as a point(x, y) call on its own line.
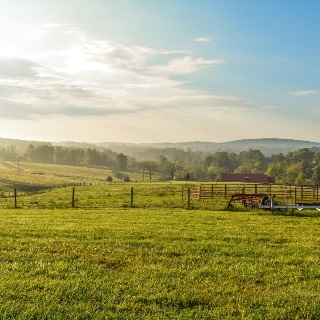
point(97, 196)
point(152, 195)
point(286, 193)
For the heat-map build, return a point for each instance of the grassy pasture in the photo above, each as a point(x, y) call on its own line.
point(157, 260)
point(52, 174)
point(158, 263)
point(145, 195)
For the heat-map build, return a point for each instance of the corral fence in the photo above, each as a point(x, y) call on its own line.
point(282, 193)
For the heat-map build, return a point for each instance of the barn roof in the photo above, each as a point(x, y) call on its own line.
point(250, 177)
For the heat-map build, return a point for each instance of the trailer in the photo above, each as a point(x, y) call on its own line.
point(267, 202)
point(271, 205)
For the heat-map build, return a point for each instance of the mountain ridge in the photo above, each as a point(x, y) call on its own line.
point(267, 146)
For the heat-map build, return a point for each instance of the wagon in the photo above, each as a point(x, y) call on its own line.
point(253, 200)
point(266, 202)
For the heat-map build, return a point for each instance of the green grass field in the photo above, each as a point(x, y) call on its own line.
point(133, 263)
point(157, 259)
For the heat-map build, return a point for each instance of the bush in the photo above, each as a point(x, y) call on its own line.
point(109, 179)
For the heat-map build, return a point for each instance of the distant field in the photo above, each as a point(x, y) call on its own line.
point(133, 263)
point(39, 173)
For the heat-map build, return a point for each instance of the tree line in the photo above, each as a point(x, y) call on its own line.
point(298, 167)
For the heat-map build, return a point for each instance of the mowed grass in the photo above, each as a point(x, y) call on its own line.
point(158, 263)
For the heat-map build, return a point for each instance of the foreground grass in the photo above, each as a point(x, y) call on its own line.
point(158, 264)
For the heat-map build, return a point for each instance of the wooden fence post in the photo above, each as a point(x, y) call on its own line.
point(189, 193)
point(131, 197)
point(225, 191)
point(72, 203)
point(15, 198)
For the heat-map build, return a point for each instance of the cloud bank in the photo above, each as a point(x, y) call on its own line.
point(86, 76)
point(83, 81)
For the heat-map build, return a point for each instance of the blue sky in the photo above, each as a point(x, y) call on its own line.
point(155, 71)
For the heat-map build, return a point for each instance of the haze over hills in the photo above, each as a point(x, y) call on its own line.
point(267, 146)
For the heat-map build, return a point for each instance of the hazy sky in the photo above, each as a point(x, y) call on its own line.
point(155, 71)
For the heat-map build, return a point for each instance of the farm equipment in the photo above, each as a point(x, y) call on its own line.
point(248, 200)
point(263, 201)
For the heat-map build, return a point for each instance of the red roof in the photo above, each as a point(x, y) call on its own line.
point(250, 177)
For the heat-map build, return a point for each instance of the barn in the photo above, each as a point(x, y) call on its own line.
point(250, 177)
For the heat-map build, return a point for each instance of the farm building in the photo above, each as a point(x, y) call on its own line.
point(250, 177)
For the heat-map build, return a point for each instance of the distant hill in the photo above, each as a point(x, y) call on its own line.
point(21, 145)
point(267, 146)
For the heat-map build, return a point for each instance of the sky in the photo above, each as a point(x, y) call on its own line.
point(143, 71)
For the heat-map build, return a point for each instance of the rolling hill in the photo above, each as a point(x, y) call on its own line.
point(267, 146)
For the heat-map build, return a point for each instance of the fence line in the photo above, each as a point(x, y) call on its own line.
point(298, 194)
point(106, 196)
point(153, 195)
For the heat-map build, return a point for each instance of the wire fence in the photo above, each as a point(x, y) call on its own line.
point(160, 195)
point(97, 196)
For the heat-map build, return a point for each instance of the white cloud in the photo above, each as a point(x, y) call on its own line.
point(185, 65)
point(104, 84)
point(43, 30)
point(304, 92)
point(8, 48)
point(203, 39)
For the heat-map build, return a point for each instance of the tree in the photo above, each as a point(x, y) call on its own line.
point(75, 156)
point(173, 167)
point(305, 157)
point(170, 168)
point(60, 155)
point(109, 179)
point(252, 161)
point(150, 166)
point(42, 153)
point(122, 161)
point(294, 174)
point(92, 157)
point(9, 153)
point(29, 154)
point(218, 163)
point(278, 170)
point(316, 174)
